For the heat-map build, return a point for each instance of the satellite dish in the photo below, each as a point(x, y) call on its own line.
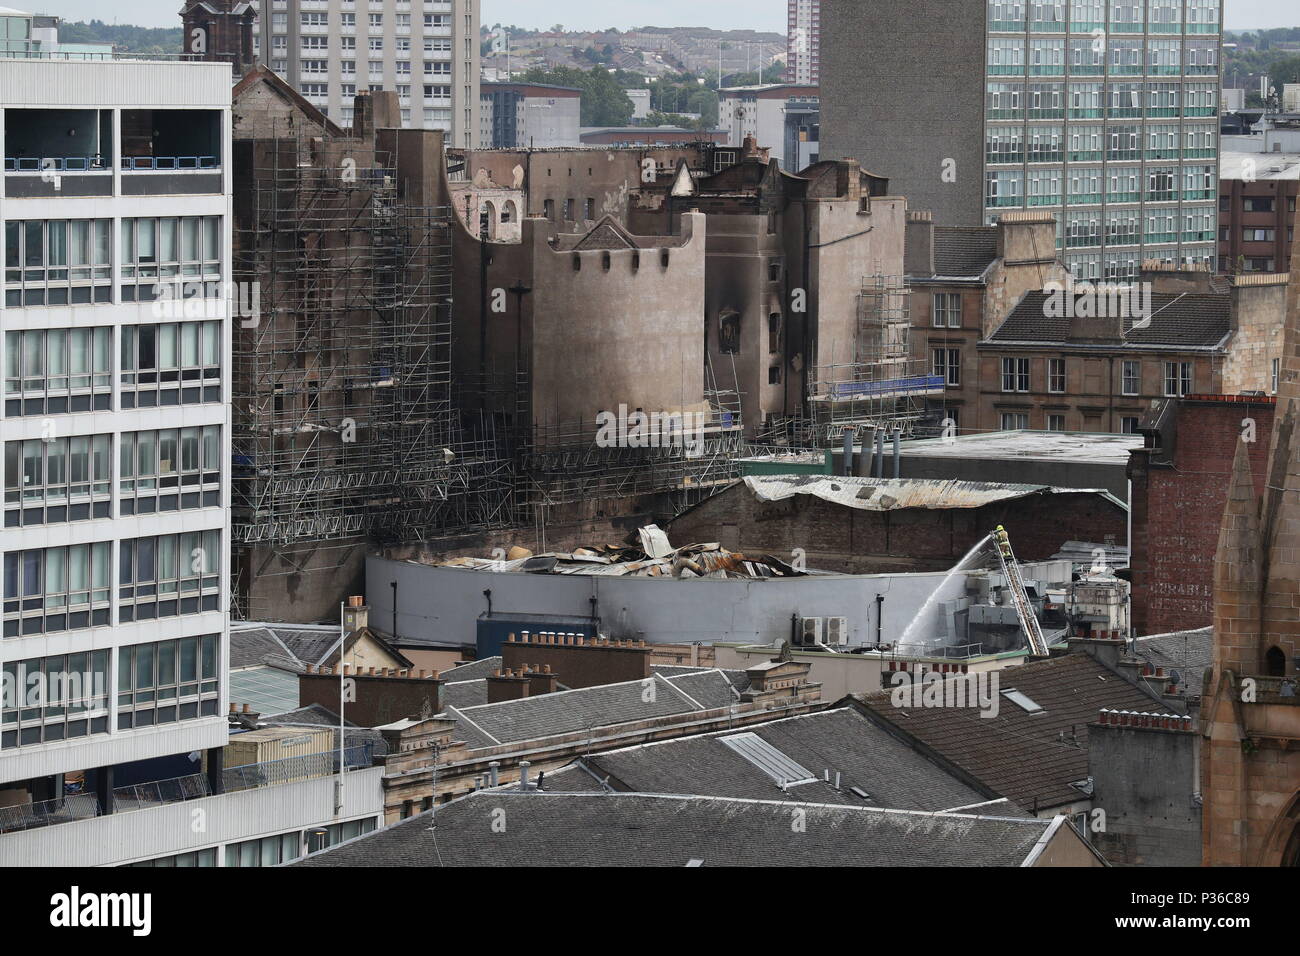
point(1174, 676)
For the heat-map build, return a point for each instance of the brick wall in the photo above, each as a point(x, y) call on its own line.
point(585, 664)
point(1178, 507)
point(378, 699)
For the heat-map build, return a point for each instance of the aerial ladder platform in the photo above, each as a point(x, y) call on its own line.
point(1019, 596)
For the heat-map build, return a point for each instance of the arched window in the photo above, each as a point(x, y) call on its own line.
point(605, 261)
point(508, 211)
point(1275, 662)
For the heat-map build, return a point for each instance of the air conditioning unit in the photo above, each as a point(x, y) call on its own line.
point(812, 631)
point(837, 631)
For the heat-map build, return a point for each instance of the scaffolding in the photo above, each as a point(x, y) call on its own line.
point(687, 459)
point(882, 387)
point(344, 426)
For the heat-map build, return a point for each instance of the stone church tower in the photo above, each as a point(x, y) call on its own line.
point(1250, 712)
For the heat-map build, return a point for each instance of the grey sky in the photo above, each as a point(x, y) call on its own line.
point(596, 14)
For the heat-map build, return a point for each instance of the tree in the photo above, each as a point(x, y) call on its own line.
point(603, 101)
point(1283, 71)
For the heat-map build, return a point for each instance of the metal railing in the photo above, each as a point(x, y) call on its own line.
point(271, 773)
point(140, 796)
point(169, 162)
point(58, 164)
point(29, 816)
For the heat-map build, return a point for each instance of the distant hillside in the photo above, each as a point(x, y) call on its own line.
point(124, 37)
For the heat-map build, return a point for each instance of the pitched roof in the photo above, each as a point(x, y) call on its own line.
point(1187, 652)
point(572, 711)
point(546, 829)
point(474, 670)
point(1029, 758)
point(262, 74)
point(836, 743)
point(964, 252)
point(294, 646)
point(1193, 320)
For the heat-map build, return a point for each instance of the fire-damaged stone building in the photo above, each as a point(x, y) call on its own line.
point(866, 525)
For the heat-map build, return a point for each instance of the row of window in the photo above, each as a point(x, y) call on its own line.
point(320, 45)
point(1056, 144)
point(1125, 264)
point(53, 480)
point(1018, 100)
point(1084, 229)
point(68, 588)
point(1257, 204)
point(1124, 184)
point(274, 850)
point(55, 371)
point(268, 851)
point(402, 21)
point(1095, 56)
point(946, 363)
point(1119, 16)
point(70, 262)
point(1019, 421)
point(1016, 375)
point(68, 696)
point(167, 681)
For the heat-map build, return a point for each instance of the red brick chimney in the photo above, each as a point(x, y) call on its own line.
point(541, 680)
point(579, 661)
point(507, 685)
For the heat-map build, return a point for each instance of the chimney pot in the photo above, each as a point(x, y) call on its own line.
point(247, 709)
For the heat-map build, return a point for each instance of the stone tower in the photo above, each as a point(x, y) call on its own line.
point(1250, 712)
point(220, 30)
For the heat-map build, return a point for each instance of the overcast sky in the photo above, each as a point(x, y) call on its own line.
point(598, 14)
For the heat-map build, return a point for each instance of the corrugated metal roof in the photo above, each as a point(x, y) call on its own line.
point(894, 494)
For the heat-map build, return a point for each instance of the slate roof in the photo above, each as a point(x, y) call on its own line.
point(251, 646)
point(464, 693)
point(474, 670)
point(892, 773)
point(1029, 758)
point(964, 252)
point(547, 829)
point(1177, 321)
point(572, 711)
point(280, 645)
point(1187, 652)
point(737, 678)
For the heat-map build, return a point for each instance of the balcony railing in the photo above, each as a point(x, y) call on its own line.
point(29, 816)
point(293, 769)
point(140, 796)
point(158, 793)
point(169, 162)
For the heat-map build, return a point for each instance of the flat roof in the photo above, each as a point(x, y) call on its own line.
point(1267, 165)
point(1082, 447)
